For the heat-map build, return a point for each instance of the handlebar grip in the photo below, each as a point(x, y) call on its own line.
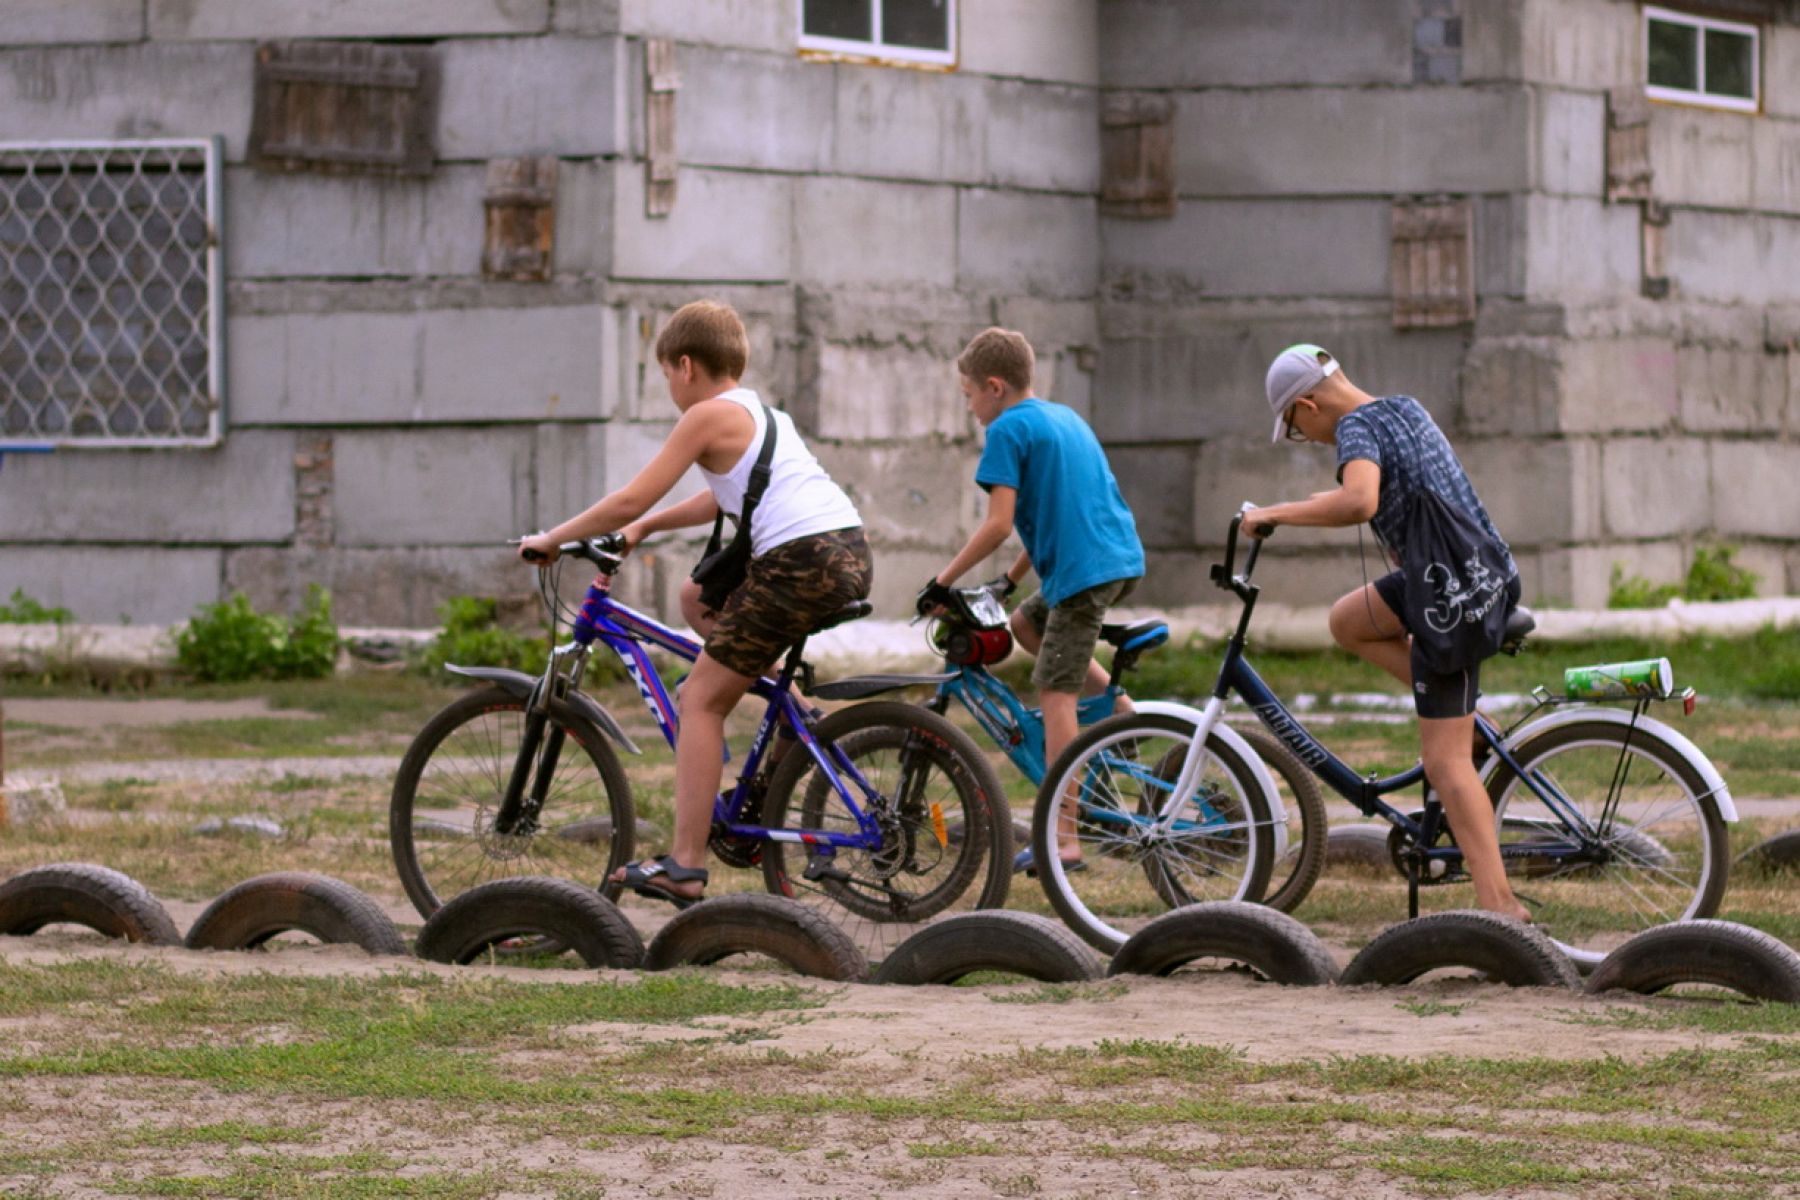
point(533, 556)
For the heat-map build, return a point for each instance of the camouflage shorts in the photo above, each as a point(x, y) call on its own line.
point(787, 592)
point(1070, 631)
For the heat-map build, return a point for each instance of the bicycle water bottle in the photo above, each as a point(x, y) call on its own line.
point(1647, 677)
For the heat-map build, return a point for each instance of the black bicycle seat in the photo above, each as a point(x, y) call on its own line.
point(1139, 632)
point(1519, 624)
point(853, 611)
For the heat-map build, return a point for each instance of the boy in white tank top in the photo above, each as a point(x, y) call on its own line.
point(809, 559)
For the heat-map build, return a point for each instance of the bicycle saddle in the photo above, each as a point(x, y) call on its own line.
point(1519, 624)
point(1139, 635)
point(855, 610)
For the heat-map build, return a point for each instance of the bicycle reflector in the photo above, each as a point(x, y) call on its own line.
point(971, 647)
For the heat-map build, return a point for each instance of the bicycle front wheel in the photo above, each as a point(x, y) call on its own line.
point(1659, 851)
point(923, 778)
point(1108, 856)
point(453, 780)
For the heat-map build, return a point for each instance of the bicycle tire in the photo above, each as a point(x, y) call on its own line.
point(548, 914)
point(1719, 954)
point(248, 915)
point(452, 778)
point(100, 898)
point(754, 923)
point(1012, 943)
point(1224, 855)
point(1291, 878)
point(928, 878)
point(1502, 949)
point(1591, 907)
point(1272, 944)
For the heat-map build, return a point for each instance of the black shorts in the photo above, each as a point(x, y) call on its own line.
point(1438, 695)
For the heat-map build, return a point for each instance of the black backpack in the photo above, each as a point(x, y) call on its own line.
point(1456, 577)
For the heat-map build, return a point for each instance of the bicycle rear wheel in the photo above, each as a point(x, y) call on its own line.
point(1105, 793)
point(924, 776)
point(1661, 854)
point(441, 819)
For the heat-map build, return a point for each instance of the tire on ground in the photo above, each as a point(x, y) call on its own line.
point(1779, 853)
point(328, 909)
point(100, 898)
point(1271, 943)
point(1718, 953)
point(1015, 943)
point(1504, 950)
point(531, 906)
point(1362, 847)
point(756, 923)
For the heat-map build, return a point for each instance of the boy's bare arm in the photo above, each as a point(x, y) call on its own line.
point(697, 509)
point(995, 528)
point(690, 438)
point(1351, 503)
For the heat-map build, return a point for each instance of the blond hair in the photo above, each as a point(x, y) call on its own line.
point(1001, 354)
point(711, 335)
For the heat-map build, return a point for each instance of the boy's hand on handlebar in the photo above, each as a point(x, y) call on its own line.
point(539, 549)
point(1002, 586)
point(1256, 523)
point(932, 598)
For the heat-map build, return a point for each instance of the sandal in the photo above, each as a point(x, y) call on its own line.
point(1023, 861)
point(638, 876)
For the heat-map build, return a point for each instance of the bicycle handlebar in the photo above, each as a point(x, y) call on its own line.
point(1223, 574)
point(606, 552)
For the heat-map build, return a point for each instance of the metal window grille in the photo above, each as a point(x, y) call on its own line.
point(110, 321)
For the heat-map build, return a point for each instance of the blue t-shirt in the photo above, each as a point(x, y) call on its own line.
point(1070, 515)
point(1399, 436)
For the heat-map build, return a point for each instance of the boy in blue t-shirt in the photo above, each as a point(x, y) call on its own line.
point(1046, 475)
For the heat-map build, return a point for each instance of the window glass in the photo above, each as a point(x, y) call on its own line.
point(921, 23)
point(1674, 55)
point(852, 20)
point(1730, 64)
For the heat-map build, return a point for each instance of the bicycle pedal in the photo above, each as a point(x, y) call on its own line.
point(821, 870)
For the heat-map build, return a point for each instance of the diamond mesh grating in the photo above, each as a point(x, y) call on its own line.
point(109, 274)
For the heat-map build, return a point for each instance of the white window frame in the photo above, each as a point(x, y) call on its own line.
point(1702, 97)
point(876, 50)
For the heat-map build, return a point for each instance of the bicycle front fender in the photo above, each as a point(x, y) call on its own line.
point(1258, 768)
point(517, 683)
point(1580, 713)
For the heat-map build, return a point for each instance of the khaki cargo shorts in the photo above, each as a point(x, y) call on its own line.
point(786, 593)
point(1070, 630)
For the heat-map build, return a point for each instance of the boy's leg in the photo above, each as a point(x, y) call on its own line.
point(1365, 624)
point(1065, 662)
point(1444, 745)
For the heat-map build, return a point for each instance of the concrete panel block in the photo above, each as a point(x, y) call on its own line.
point(742, 109)
point(920, 493)
point(240, 491)
point(1756, 488)
point(750, 24)
point(1655, 488)
point(1057, 40)
point(1513, 385)
point(1588, 570)
point(1536, 492)
point(139, 585)
point(1048, 323)
point(1313, 141)
point(1249, 248)
point(1571, 143)
point(433, 487)
point(884, 392)
point(286, 226)
point(1619, 384)
point(1234, 43)
point(587, 17)
point(726, 226)
point(1158, 484)
point(584, 218)
point(911, 125)
point(1581, 247)
point(1493, 41)
point(1701, 158)
point(488, 364)
point(1732, 257)
point(1781, 71)
point(603, 460)
point(50, 22)
point(1728, 389)
point(506, 97)
point(138, 91)
point(1502, 248)
point(1232, 470)
point(1587, 44)
point(1010, 241)
point(1041, 137)
point(392, 586)
point(1776, 151)
point(857, 231)
point(210, 20)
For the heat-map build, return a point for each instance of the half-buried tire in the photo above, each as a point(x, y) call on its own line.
point(1720, 954)
point(1012, 943)
point(1773, 855)
point(99, 898)
point(1362, 847)
point(754, 923)
point(1503, 950)
point(525, 908)
point(319, 906)
point(1272, 944)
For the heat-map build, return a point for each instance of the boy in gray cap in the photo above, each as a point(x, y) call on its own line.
point(1389, 450)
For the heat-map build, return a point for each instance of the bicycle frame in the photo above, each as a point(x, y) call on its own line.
point(1017, 730)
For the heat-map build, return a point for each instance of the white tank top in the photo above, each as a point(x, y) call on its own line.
point(801, 498)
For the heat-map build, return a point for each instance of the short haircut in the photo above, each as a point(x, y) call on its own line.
point(711, 335)
point(1001, 354)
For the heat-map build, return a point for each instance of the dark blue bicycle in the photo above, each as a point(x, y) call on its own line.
point(521, 778)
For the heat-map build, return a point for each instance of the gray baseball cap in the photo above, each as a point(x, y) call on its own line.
point(1295, 372)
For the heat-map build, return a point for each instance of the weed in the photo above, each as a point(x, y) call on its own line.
point(231, 641)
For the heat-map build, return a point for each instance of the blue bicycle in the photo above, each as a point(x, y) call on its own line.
point(521, 777)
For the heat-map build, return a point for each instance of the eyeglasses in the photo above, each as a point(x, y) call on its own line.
point(1289, 432)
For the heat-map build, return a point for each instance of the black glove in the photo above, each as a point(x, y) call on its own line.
point(932, 595)
point(1002, 586)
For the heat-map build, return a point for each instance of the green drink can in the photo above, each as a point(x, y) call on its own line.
point(1647, 677)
